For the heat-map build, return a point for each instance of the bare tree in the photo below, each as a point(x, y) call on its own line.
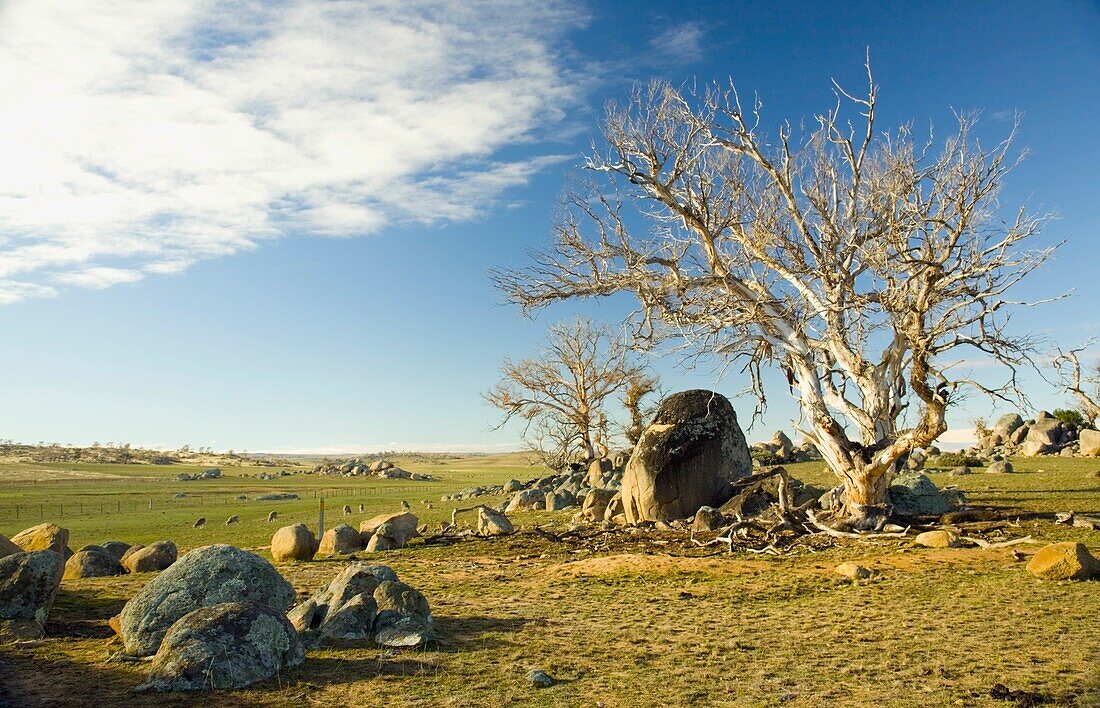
point(564, 392)
point(857, 262)
point(1084, 387)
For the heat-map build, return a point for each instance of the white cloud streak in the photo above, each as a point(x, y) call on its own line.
point(141, 137)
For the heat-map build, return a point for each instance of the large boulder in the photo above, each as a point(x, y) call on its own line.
point(687, 457)
point(150, 559)
point(91, 563)
point(7, 547)
point(1045, 434)
point(344, 609)
point(341, 539)
point(44, 537)
point(1007, 424)
point(1064, 561)
point(224, 646)
point(404, 618)
point(293, 543)
point(206, 576)
point(116, 549)
point(1090, 442)
point(28, 586)
point(391, 530)
point(491, 522)
point(914, 494)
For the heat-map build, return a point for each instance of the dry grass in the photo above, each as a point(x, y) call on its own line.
point(638, 624)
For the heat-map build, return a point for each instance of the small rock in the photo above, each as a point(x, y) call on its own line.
point(1002, 467)
point(540, 679)
point(940, 538)
point(491, 522)
point(853, 571)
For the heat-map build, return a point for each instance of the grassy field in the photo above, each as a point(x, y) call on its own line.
point(622, 619)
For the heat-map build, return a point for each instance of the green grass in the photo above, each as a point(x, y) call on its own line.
point(628, 620)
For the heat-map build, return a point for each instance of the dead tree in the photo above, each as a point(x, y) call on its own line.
point(564, 393)
point(858, 263)
point(1084, 387)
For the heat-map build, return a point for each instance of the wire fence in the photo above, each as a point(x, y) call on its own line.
point(133, 503)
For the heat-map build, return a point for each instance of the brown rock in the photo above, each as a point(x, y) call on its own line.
point(853, 571)
point(152, 558)
point(1064, 561)
point(341, 539)
point(688, 457)
point(399, 527)
point(595, 504)
point(295, 542)
point(44, 537)
point(91, 563)
point(7, 547)
point(940, 538)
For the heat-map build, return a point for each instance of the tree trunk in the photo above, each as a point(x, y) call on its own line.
point(865, 496)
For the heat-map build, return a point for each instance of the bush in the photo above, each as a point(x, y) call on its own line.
point(1070, 417)
point(765, 458)
point(956, 459)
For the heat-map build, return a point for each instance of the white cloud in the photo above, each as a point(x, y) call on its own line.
point(142, 137)
point(681, 44)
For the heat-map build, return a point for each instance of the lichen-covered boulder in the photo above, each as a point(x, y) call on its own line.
point(491, 522)
point(1064, 561)
point(224, 646)
point(44, 537)
point(28, 586)
point(914, 494)
point(688, 457)
point(1007, 424)
point(404, 618)
point(295, 542)
point(345, 608)
point(206, 576)
point(341, 539)
point(91, 563)
point(116, 549)
point(707, 519)
point(150, 559)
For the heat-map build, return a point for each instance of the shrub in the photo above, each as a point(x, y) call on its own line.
point(1070, 416)
point(956, 459)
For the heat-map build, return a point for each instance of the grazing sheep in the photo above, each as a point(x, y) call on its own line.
point(428, 504)
point(405, 505)
point(361, 508)
point(200, 523)
point(272, 516)
point(233, 520)
point(347, 510)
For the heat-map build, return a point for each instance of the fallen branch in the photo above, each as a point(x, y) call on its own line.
point(835, 533)
point(987, 546)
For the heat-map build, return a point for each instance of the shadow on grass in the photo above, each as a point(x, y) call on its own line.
point(458, 634)
point(337, 670)
point(82, 614)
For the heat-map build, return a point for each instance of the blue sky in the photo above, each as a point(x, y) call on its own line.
point(267, 226)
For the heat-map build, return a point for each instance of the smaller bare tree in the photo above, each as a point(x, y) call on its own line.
point(564, 392)
point(1085, 387)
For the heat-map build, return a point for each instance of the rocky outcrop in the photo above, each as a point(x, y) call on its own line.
point(687, 457)
point(206, 576)
point(224, 646)
point(389, 531)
